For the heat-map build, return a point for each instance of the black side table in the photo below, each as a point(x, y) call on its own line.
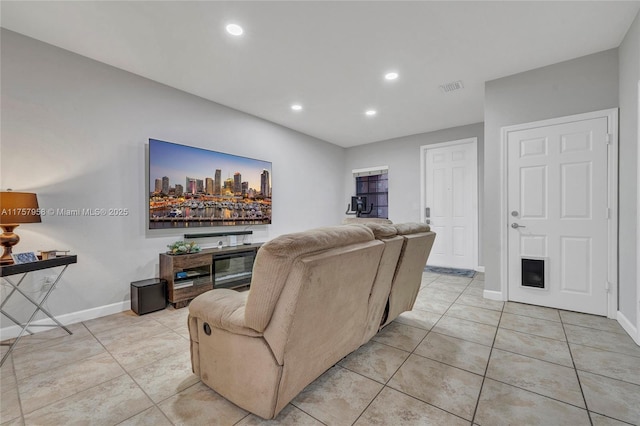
point(24, 268)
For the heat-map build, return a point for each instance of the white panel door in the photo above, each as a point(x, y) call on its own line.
point(557, 207)
point(451, 203)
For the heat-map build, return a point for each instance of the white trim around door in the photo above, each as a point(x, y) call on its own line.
point(637, 331)
point(612, 182)
point(474, 183)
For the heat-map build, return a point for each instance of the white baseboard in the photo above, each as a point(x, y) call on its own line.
point(493, 295)
point(628, 327)
point(71, 318)
point(479, 268)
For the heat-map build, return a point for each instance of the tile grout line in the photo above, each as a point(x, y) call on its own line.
point(600, 331)
point(125, 372)
point(589, 411)
point(419, 343)
point(538, 359)
point(293, 405)
point(527, 390)
point(15, 378)
point(63, 365)
point(155, 404)
point(445, 312)
point(575, 370)
point(409, 395)
point(123, 369)
point(486, 369)
point(607, 377)
point(385, 385)
point(574, 367)
point(482, 384)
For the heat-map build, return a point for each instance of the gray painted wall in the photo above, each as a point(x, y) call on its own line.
point(585, 84)
point(75, 132)
point(402, 155)
point(629, 56)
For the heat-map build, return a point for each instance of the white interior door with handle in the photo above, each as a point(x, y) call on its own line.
point(557, 184)
point(451, 206)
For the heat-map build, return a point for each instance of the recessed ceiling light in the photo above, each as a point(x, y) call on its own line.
point(234, 29)
point(391, 76)
point(371, 112)
point(296, 107)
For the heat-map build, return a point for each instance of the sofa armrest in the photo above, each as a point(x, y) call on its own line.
point(223, 309)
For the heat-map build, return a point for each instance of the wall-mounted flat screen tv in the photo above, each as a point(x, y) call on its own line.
point(193, 187)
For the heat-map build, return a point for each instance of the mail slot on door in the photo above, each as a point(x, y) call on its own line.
point(533, 273)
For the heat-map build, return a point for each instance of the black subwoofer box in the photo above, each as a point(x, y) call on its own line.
point(148, 295)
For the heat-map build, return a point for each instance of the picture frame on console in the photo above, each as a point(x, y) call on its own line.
point(26, 257)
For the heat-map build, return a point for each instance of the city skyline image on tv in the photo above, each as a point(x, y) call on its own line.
point(196, 187)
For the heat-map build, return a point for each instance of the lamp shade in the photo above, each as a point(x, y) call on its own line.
point(19, 207)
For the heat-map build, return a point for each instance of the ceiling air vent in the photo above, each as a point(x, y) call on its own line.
point(450, 87)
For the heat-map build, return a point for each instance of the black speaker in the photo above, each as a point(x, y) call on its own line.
point(148, 295)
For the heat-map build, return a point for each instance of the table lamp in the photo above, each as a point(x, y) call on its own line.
point(15, 208)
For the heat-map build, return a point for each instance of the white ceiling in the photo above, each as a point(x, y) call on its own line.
point(330, 56)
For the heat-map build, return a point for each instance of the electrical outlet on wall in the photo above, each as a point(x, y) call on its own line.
point(47, 282)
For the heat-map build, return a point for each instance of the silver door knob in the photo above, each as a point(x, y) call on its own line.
point(516, 226)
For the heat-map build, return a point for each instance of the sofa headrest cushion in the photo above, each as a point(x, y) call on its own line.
point(314, 240)
point(275, 258)
point(411, 228)
point(381, 231)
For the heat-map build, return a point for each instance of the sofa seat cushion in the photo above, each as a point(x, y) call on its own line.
point(223, 309)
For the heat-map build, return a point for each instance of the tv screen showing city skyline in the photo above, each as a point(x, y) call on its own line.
point(196, 187)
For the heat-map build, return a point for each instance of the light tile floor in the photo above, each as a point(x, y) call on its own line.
point(456, 359)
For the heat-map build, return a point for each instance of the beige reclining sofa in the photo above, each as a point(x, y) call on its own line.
point(315, 297)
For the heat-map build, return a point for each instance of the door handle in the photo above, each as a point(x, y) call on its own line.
point(516, 226)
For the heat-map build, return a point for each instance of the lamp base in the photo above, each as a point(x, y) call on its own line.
point(7, 240)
